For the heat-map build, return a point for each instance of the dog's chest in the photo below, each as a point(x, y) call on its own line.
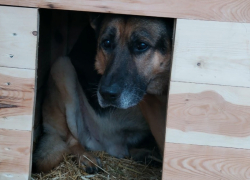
point(113, 132)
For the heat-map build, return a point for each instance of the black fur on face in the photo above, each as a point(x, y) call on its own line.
point(133, 55)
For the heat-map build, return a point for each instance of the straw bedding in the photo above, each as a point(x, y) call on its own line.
point(112, 169)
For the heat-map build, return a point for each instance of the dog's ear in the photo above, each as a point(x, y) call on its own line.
point(95, 20)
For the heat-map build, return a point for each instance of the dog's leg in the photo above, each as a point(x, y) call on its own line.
point(84, 158)
point(49, 153)
point(154, 112)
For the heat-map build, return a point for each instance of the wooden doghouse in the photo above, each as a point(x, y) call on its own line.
point(208, 114)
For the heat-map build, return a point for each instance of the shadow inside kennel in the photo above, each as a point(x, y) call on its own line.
point(68, 33)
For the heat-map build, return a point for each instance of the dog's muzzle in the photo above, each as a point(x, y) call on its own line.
point(110, 94)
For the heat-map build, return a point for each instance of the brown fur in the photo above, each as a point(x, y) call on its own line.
point(134, 74)
point(60, 137)
point(151, 67)
point(71, 125)
point(154, 108)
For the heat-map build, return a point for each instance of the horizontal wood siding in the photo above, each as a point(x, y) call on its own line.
point(193, 162)
point(18, 37)
point(18, 47)
point(208, 115)
point(212, 53)
point(16, 98)
point(14, 154)
point(218, 10)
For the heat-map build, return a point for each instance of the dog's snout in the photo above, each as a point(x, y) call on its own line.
point(110, 93)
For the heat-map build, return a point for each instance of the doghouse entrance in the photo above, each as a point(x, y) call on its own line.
point(59, 31)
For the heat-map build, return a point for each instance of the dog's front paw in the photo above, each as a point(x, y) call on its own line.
point(118, 151)
point(89, 163)
point(145, 156)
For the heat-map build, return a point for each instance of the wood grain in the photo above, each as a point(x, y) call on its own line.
point(18, 51)
point(208, 115)
point(212, 53)
point(192, 162)
point(17, 43)
point(219, 10)
point(14, 154)
point(16, 98)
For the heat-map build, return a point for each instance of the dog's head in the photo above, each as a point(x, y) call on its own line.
point(133, 55)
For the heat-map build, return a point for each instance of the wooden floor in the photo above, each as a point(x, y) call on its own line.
point(18, 43)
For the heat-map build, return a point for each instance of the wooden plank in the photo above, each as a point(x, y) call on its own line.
point(18, 28)
point(208, 115)
point(18, 51)
point(212, 53)
point(16, 98)
point(193, 162)
point(219, 10)
point(34, 101)
point(14, 154)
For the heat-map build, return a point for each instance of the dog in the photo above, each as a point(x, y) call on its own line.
point(134, 56)
point(73, 120)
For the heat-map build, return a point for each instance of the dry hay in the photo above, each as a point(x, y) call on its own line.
point(112, 169)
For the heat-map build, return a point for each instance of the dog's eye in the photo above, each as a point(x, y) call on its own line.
point(141, 46)
point(106, 44)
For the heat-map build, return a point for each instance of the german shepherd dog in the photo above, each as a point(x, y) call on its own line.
point(73, 120)
point(133, 57)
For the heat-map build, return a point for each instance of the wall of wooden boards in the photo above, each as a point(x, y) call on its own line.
point(218, 10)
point(18, 44)
point(207, 131)
point(208, 115)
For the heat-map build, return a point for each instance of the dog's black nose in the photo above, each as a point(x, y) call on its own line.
point(109, 93)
